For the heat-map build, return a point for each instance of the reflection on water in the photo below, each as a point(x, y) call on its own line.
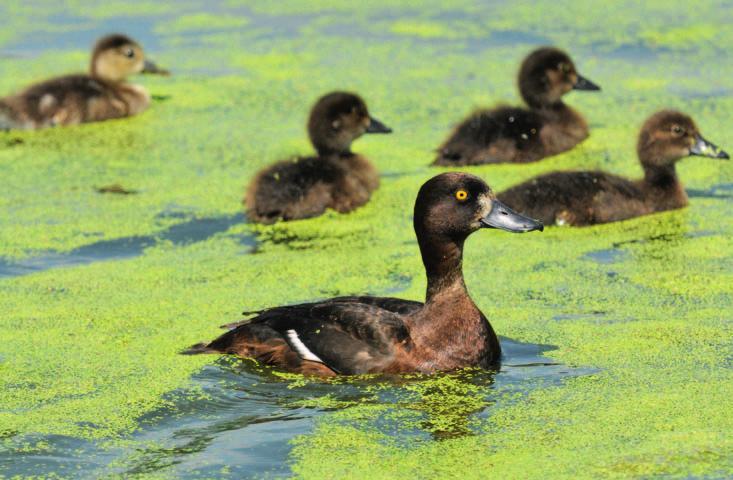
point(237, 418)
point(722, 190)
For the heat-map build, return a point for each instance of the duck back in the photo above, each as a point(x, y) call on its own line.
point(352, 335)
point(577, 198)
point(73, 99)
point(504, 134)
point(305, 187)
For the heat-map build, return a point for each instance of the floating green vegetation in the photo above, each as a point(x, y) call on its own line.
point(688, 37)
point(421, 29)
point(200, 22)
point(89, 348)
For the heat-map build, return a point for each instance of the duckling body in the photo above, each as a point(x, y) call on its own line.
point(336, 178)
point(100, 95)
point(520, 135)
point(306, 186)
point(358, 335)
point(586, 198)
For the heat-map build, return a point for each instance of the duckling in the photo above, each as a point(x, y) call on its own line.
point(72, 99)
point(336, 178)
point(360, 334)
point(588, 198)
point(518, 135)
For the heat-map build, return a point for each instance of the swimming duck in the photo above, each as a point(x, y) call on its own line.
point(358, 335)
point(587, 198)
point(336, 178)
point(101, 94)
point(519, 135)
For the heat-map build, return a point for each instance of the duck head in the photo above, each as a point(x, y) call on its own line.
point(116, 56)
point(547, 74)
point(449, 207)
point(339, 118)
point(454, 205)
point(668, 136)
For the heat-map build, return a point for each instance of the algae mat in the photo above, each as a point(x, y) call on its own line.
point(100, 292)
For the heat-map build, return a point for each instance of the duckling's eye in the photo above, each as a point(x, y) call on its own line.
point(461, 195)
point(677, 130)
point(129, 53)
point(564, 68)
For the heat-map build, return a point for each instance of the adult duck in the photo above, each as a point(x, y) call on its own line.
point(359, 335)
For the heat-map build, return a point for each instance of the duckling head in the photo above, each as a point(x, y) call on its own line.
point(547, 74)
point(116, 56)
point(453, 205)
point(668, 135)
point(339, 118)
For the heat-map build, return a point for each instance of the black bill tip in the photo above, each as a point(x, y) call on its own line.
point(375, 126)
point(585, 84)
point(704, 148)
point(504, 218)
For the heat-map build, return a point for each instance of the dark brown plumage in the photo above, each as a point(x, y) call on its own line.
point(357, 335)
point(336, 178)
point(587, 198)
point(519, 135)
point(72, 99)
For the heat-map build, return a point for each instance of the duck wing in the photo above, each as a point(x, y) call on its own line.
point(391, 304)
point(71, 94)
point(578, 195)
point(503, 134)
point(349, 337)
point(295, 188)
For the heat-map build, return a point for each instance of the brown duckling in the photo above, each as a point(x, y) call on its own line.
point(72, 99)
point(519, 135)
point(588, 198)
point(358, 335)
point(336, 178)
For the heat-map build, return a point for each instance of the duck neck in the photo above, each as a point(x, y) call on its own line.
point(443, 260)
point(101, 73)
point(662, 188)
point(662, 177)
point(450, 328)
point(333, 152)
point(557, 108)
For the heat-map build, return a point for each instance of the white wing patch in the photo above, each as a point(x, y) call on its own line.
point(300, 347)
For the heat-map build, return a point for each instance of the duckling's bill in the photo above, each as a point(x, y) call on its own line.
point(705, 148)
point(585, 84)
point(153, 69)
point(375, 126)
point(505, 218)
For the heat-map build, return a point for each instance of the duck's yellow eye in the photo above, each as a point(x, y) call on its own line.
point(461, 195)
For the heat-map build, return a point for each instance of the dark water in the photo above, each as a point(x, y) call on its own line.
point(237, 419)
point(619, 250)
point(184, 233)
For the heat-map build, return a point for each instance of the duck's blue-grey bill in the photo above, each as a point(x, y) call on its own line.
point(585, 84)
point(375, 126)
point(704, 148)
point(505, 218)
point(150, 67)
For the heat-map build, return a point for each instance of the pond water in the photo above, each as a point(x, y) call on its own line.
point(98, 292)
point(238, 418)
